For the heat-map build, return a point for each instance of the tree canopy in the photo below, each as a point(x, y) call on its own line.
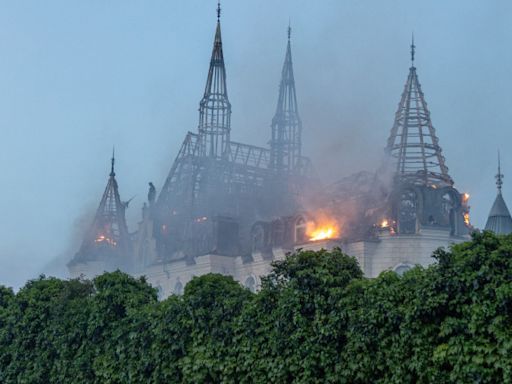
point(316, 319)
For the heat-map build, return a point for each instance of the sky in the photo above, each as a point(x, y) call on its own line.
point(79, 77)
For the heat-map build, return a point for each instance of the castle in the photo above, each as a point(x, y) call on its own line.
point(233, 208)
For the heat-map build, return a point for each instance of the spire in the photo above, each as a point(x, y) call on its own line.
point(214, 107)
point(413, 50)
point(285, 144)
point(108, 235)
point(112, 173)
point(499, 220)
point(499, 176)
point(413, 141)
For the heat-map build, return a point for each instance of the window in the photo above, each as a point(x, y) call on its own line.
point(407, 212)
point(250, 284)
point(277, 233)
point(258, 237)
point(178, 288)
point(400, 269)
point(300, 230)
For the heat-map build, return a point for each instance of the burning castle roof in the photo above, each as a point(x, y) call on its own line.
point(413, 141)
point(107, 238)
point(228, 198)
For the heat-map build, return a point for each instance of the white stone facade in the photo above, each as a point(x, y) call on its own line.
point(387, 252)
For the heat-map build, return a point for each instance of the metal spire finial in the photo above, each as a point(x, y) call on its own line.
point(413, 50)
point(289, 29)
point(499, 176)
point(112, 173)
point(218, 10)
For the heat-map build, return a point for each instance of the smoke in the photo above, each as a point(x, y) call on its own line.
point(57, 266)
point(75, 89)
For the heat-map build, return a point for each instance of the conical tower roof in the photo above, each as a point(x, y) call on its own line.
point(413, 141)
point(499, 220)
point(214, 107)
point(108, 235)
point(285, 144)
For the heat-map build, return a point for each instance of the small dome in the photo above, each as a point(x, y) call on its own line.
point(499, 220)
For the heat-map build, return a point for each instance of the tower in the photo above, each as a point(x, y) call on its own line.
point(422, 194)
point(413, 141)
point(221, 201)
point(107, 243)
point(214, 107)
point(499, 220)
point(285, 144)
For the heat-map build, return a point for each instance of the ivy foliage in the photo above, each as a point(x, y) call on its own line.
point(316, 319)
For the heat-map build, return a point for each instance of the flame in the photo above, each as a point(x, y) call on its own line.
point(466, 219)
point(103, 238)
point(384, 224)
point(465, 197)
point(322, 234)
point(324, 229)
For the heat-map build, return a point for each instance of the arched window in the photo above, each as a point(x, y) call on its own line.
point(400, 269)
point(258, 237)
point(277, 232)
point(300, 230)
point(160, 292)
point(250, 284)
point(407, 212)
point(178, 288)
point(447, 209)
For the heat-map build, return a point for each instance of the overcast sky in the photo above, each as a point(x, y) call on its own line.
point(77, 77)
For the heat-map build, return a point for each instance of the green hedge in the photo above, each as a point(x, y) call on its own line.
point(315, 320)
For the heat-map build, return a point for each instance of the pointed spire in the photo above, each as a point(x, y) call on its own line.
point(108, 235)
point(499, 176)
point(285, 145)
point(413, 141)
point(214, 107)
point(112, 173)
point(413, 50)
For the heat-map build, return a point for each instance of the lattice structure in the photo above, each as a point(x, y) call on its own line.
point(217, 188)
point(413, 141)
point(215, 108)
point(108, 239)
point(285, 145)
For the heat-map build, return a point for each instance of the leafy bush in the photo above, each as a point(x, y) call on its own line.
point(315, 320)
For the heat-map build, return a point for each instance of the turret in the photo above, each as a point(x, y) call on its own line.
point(107, 242)
point(413, 142)
point(499, 220)
point(215, 108)
point(285, 144)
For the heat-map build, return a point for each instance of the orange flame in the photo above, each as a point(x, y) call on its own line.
point(103, 238)
point(384, 224)
point(324, 229)
point(466, 219)
point(322, 234)
point(465, 197)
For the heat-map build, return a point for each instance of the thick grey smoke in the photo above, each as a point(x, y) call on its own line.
point(132, 76)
